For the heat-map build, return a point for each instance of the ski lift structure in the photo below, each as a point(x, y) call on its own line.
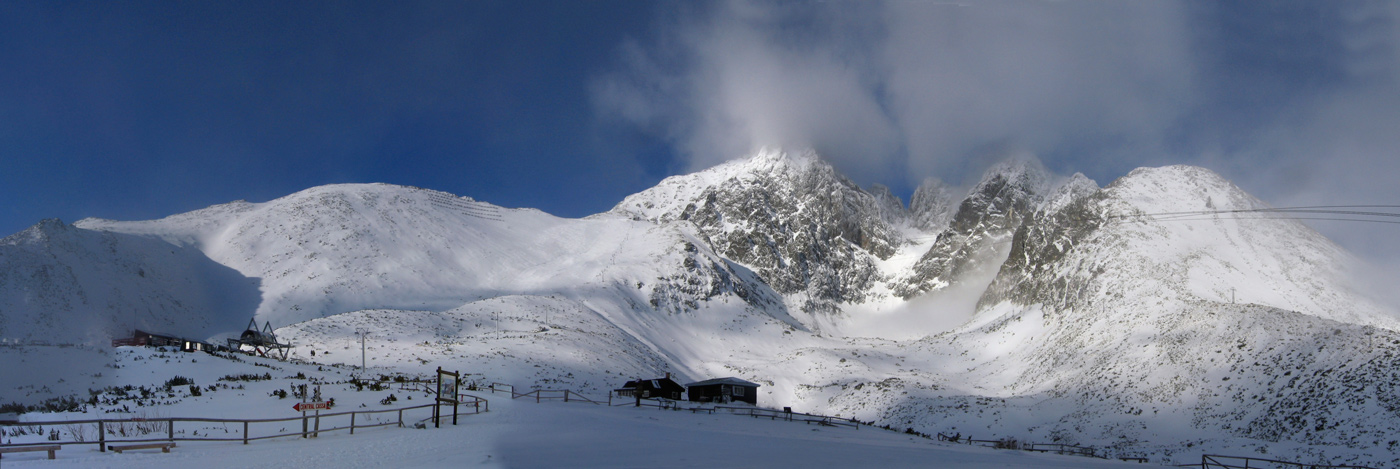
point(262, 342)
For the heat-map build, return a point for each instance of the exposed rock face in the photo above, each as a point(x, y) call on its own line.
point(932, 206)
point(1008, 193)
point(891, 208)
point(791, 217)
point(1067, 218)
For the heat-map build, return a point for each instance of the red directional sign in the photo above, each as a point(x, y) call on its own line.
point(305, 406)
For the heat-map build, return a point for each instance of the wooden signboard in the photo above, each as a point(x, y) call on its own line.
point(447, 385)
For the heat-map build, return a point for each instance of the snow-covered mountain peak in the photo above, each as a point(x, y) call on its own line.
point(668, 199)
point(37, 233)
point(1181, 188)
point(1023, 174)
point(775, 159)
point(788, 215)
point(1066, 192)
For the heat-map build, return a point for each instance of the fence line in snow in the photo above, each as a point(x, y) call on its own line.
point(311, 426)
point(544, 394)
point(1216, 461)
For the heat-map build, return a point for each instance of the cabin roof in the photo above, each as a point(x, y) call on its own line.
point(730, 380)
point(658, 383)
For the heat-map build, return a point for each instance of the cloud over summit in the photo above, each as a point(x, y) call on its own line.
point(898, 91)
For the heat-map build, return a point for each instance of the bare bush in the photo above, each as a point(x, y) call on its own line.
point(1007, 443)
point(82, 431)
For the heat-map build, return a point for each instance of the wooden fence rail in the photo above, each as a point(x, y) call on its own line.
point(1215, 461)
point(542, 394)
point(105, 425)
point(1060, 448)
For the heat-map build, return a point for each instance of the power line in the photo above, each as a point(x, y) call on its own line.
point(1277, 213)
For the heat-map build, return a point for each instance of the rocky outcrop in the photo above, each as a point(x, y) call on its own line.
point(790, 217)
point(1008, 193)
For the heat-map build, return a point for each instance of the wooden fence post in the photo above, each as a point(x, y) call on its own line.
point(400, 418)
point(352, 423)
point(170, 428)
point(101, 437)
point(566, 395)
point(245, 432)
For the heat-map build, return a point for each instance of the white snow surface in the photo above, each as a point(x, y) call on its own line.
point(517, 433)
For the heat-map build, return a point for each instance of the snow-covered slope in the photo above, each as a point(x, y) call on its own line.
point(61, 284)
point(342, 248)
point(1036, 307)
point(1106, 325)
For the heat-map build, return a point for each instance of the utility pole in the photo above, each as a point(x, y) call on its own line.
point(362, 333)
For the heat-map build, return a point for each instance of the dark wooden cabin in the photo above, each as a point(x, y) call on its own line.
point(664, 388)
point(723, 390)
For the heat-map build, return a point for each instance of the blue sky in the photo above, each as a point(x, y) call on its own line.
point(138, 110)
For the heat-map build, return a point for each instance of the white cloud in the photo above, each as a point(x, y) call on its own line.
point(904, 90)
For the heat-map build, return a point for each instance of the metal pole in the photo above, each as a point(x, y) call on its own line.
point(362, 332)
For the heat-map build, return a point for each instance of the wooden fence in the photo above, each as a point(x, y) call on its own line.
point(1059, 448)
point(771, 414)
point(969, 440)
point(755, 412)
point(140, 428)
point(541, 395)
point(1215, 461)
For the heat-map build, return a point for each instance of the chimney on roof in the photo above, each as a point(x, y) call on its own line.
point(668, 375)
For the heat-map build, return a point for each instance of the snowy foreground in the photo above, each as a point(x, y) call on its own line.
point(514, 433)
point(556, 434)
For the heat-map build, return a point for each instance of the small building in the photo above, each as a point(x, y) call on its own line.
point(723, 390)
point(663, 388)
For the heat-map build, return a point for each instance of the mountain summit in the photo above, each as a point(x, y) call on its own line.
point(805, 228)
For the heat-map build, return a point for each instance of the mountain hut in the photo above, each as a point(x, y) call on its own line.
point(723, 390)
point(664, 388)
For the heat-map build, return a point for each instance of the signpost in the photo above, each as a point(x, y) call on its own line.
point(305, 406)
point(309, 403)
point(447, 385)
